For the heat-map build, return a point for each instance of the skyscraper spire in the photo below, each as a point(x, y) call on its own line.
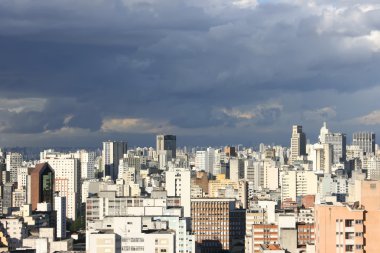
point(323, 132)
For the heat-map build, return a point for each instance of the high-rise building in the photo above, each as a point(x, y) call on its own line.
point(295, 183)
point(339, 228)
point(112, 152)
point(338, 143)
point(60, 208)
point(270, 174)
point(7, 203)
point(42, 178)
point(217, 225)
point(322, 157)
point(254, 172)
point(229, 151)
point(167, 143)
point(201, 160)
point(365, 140)
point(297, 143)
point(236, 169)
point(67, 181)
point(178, 185)
point(87, 163)
point(13, 161)
point(210, 159)
point(350, 228)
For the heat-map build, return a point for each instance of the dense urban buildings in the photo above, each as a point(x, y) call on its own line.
point(309, 197)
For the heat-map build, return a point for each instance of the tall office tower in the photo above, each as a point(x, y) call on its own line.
point(112, 152)
point(254, 172)
point(87, 163)
point(177, 184)
point(41, 185)
point(218, 157)
point(201, 161)
point(211, 160)
point(365, 140)
point(297, 143)
point(166, 143)
point(67, 181)
point(7, 204)
point(338, 143)
point(229, 151)
point(372, 164)
point(217, 225)
point(60, 208)
point(13, 161)
point(206, 160)
point(236, 169)
point(3, 170)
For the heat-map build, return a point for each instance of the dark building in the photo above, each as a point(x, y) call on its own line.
point(230, 151)
point(113, 151)
point(42, 184)
point(167, 143)
point(8, 189)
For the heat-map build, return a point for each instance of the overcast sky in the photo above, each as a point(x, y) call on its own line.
point(213, 72)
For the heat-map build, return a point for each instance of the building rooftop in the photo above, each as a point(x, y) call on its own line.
point(270, 246)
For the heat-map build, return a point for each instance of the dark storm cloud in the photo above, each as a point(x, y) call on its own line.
point(192, 67)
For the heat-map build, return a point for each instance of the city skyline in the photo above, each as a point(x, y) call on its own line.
point(211, 72)
point(149, 140)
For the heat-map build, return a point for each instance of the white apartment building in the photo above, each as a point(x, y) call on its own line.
point(130, 236)
point(67, 181)
point(87, 163)
point(298, 183)
point(201, 161)
point(22, 175)
point(270, 174)
point(60, 208)
point(178, 185)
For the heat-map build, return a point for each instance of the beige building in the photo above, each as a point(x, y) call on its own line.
point(102, 242)
point(221, 182)
point(222, 187)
